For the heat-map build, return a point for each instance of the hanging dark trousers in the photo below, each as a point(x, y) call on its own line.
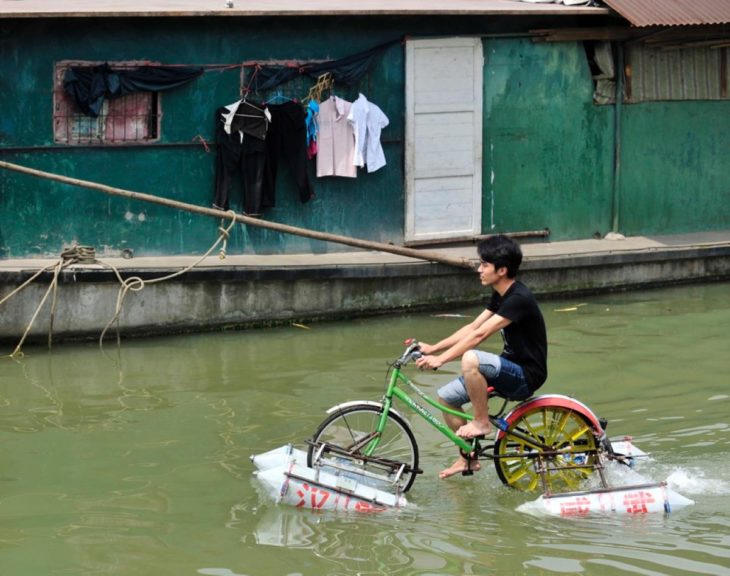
point(242, 157)
point(286, 141)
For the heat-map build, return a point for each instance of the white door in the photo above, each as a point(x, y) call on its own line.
point(443, 138)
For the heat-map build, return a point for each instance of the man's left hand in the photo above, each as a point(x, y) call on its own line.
point(428, 361)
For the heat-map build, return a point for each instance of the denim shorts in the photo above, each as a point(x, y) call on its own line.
point(507, 378)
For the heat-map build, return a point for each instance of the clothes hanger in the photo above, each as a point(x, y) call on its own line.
point(324, 82)
point(278, 98)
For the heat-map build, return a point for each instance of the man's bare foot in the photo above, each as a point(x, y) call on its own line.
point(474, 429)
point(458, 467)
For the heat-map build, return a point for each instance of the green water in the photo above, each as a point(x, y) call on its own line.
point(136, 462)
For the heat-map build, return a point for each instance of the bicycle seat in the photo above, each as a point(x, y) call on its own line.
point(491, 392)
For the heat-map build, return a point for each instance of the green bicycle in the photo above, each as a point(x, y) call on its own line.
point(550, 442)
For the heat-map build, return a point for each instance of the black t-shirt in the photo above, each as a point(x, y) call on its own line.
point(525, 339)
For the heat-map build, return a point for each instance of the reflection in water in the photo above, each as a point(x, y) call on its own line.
point(336, 538)
point(136, 462)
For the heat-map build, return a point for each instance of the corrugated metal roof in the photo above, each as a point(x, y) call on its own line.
point(672, 12)
point(115, 8)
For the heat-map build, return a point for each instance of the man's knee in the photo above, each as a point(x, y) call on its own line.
point(469, 362)
point(484, 364)
point(471, 370)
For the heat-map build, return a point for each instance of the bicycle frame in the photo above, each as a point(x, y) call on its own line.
point(394, 391)
point(466, 445)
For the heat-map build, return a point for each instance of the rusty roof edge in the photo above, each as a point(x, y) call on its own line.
point(672, 13)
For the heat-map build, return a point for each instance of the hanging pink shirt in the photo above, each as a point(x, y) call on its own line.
point(336, 141)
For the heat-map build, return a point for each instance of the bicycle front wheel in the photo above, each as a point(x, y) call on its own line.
point(571, 455)
point(352, 429)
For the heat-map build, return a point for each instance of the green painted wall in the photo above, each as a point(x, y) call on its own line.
point(548, 150)
point(675, 164)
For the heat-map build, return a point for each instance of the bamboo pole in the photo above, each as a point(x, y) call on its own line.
point(327, 237)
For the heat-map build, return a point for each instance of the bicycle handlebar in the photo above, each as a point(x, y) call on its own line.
point(413, 352)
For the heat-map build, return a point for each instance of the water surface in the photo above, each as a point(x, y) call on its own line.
point(135, 461)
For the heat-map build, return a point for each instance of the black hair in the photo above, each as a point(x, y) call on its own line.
point(501, 251)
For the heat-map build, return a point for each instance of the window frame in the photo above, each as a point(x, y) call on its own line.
point(72, 127)
point(676, 73)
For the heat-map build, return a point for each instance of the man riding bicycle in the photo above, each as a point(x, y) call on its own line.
point(517, 372)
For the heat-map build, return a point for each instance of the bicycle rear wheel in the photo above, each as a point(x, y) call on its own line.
point(563, 430)
point(351, 429)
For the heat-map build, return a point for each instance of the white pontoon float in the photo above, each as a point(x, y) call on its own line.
point(285, 477)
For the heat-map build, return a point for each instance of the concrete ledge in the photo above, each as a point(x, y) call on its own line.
point(248, 291)
point(601, 272)
point(226, 298)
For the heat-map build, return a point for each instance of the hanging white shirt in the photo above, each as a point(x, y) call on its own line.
point(368, 121)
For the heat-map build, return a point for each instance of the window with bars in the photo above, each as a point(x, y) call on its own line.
point(133, 118)
point(677, 72)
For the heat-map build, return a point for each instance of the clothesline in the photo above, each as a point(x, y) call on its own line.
point(347, 69)
point(310, 67)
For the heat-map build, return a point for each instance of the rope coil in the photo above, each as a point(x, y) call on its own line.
point(79, 255)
